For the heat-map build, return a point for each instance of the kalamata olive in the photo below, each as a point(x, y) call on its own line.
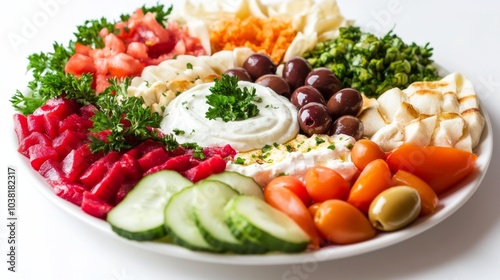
point(259, 64)
point(346, 101)
point(394, 208)
point(324, 80)
point(314, 119)
point(239, 72)
point(276, 83)
point(295, 71)
point(306, 94)
point(349, 125)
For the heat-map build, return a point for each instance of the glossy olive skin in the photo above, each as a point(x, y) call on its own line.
point(394, 208)
point(295, 72)
point(259, 64)
point(346, 101)
point(239, 72)
point(306, 94)
point(348, 125)
point(314, 119)
point(324, 80)
point(276, 83)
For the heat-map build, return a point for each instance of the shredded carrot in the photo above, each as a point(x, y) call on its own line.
point(271, 36)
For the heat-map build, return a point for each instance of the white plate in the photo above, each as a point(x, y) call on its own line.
point(450, 202)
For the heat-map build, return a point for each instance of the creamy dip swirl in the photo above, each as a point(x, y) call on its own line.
point(275, 123)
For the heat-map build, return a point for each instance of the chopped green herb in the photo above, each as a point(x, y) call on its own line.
point(373, 65)
point(197, 149)
point(267, 148)
point(239, 160)
point(229, 102)
point(178, 131)
point(189, 66)
point(331, 147)
point(319, 140)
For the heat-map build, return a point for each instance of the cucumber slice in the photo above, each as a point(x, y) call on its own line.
point(209, 201)
point(253, 219)
point(243, 184)
point(139, 216)
point(180, 222)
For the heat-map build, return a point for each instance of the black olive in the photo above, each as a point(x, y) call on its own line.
point(348, 125)
point(346, 101)
point(314, 119)
point(239, 72)
point(295, 72)
point(306, 94)
point(324, 80)
point(259, 64)
point(276, 83)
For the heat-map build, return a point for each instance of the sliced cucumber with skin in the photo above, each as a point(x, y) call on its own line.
point(180, 222)
point(140, 215)
point(241, 183)
point(253, 219)
point(209, 201)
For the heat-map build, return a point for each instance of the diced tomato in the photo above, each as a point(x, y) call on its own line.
point(95, 206)
point(138, 50)
point(224, 151)
point(114, 44)
point(79, 64)
point(123, 65)
point(21, 127)
point(82, 49)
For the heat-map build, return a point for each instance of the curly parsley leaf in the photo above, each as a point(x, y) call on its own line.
point(124, 121)
point(88, 33)
point(159, 10)
point(229, 102)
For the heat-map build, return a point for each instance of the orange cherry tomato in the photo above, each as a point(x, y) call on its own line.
point(323, 183)
point(440, 167)
point(313, 208)
point(342, 223)
point(365, 151)
point(375, 178)
point(293, 184)
point(289, 203)
point(428, 198)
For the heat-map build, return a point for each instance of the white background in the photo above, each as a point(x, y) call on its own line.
point(52, 244)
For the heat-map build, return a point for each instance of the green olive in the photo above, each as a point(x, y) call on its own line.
point(394, 208)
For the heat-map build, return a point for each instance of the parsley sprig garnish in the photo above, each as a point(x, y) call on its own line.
point(124, 121)
point(231, 103)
